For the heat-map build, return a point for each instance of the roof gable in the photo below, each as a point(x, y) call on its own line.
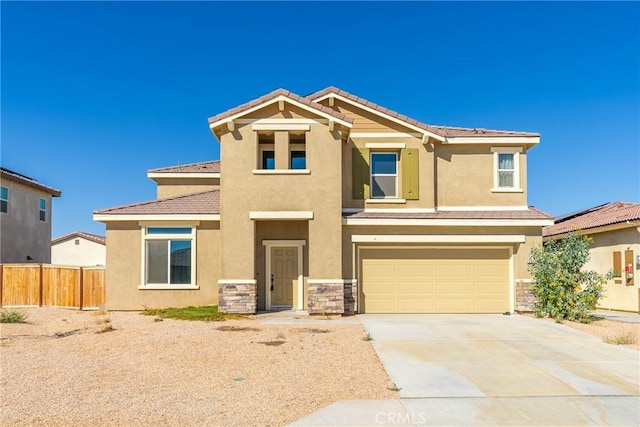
point(277, 96)
point(609, 214)
point(80, 234)
point(438, 132)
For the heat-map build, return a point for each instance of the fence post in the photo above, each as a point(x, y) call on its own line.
point(41, 286)
point(81, 287)
point(1, 282)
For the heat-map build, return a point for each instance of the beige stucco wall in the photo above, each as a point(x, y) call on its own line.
point(242, 191)
point(169, 187)
point(124, 270)
point(85, 253)
point(619, 294)
point(465, 176)
point(22, 233)
point(450, 175)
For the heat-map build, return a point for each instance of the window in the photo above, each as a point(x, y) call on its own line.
point(4, 199)
point(268, 159)
point(298, 159)
point(43, 209)
point(384, 175)
point(169, 258)
point(506, 169)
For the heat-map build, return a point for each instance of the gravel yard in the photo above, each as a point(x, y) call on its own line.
point(57, 370)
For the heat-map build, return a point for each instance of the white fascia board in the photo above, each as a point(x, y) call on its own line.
point(155, 217)
point(384, 144)
point(378, 113)
point(280, 126)
point(481, 208)
point(186, 175)
point(449, 222)
point(388, 210)
point(445, 238)
point(278, 215)
point(385, 135)
point(530, 140)
point(292, 121)
point(273, 101)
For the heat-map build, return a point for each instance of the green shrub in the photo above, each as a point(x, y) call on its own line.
point(562, 289)
point(13, 316)
point(203, 314)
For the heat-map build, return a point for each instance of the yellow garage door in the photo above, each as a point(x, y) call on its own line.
point(435, 280)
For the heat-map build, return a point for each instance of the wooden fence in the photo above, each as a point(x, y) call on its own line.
point(51, 285)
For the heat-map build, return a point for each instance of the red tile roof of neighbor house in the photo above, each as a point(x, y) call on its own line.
point(445, 131)
point(92, 237)
point(207, 202)
point(531, 213)
point(28, 181)
point(210, 166)
point(274, 94)
point(611, 213)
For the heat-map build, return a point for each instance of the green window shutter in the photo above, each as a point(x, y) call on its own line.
point(410, 181)
point(360, 172)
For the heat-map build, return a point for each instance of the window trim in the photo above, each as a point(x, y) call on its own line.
point(516, 169)
point(145, 236)
point(5, 200)
point(371, 175)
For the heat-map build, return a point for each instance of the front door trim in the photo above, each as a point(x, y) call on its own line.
point(269, 244)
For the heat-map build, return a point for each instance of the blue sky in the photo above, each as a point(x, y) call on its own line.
point(95, 94)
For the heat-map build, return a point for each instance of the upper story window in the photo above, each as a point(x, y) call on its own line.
point(282, 152)
point(297, 151)
point(506, 173)
point(169, 256)
point(4, 199)
point(43, 209)
point(384, 175)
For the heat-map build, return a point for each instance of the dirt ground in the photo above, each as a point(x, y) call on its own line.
point(58, 369)
point(611, 331)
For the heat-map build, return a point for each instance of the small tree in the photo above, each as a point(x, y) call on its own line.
point(562, 289)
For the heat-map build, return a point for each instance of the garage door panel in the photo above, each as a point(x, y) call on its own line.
point(435, 281)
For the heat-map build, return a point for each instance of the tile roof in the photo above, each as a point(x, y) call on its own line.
point(29, 182)
point(611, 213)
point(210, 166)
point(531, 213)
point(207, 202)
point(445, 131)
point(92, 237)
point(278, 92)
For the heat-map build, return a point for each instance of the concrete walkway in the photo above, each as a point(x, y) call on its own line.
point(496, 370)
point(620, 316)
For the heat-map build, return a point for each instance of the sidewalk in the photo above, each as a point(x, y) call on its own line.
point(619, 316)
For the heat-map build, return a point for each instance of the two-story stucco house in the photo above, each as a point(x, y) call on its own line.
point(332, 204)
point(25, 218)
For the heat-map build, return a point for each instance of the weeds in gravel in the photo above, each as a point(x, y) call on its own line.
point(622, 338)
point(272, 343)
point(367, 337)
point(204, 314)
point(13, 316)
point(105, 328)
point(315, 330)
point(394, 387)
point(237, 329)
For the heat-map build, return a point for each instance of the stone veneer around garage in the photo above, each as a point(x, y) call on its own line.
point(525, 298)
point(326, 296)
point(237, 296)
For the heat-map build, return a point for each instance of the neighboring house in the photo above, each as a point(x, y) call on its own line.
point(615, 230)
point(25, 218)
point(332, 204)
point(79, 249)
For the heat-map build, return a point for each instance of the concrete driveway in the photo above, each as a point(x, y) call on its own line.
point(493, 370)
